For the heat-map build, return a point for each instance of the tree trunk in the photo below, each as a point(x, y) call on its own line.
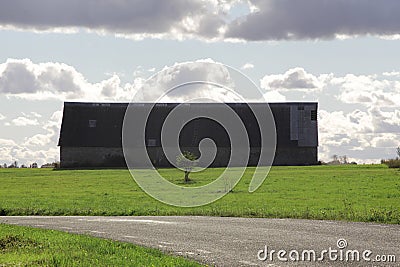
point(187, 176)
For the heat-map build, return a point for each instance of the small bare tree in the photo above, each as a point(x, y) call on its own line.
point(187, 161)
point(398, 152)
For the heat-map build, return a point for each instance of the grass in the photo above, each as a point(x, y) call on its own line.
point(369, 193)
point(23, 246)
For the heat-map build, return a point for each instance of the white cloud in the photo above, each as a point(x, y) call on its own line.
point(392, 74)
point(175, 83)
point(368, 89)
point(372, 134)
point(18, 77)
point(13, 152)
point(386, 140)
point(247, 66)
point(2, 117)
point(32, 114)
point(110, 86)
point(28, 119)
point(62, 82)
point(38, 140)
point(7, 143)
point(52, 128)
point(40, 148)
point(200, 80)
point(293, 79)
point(274, 96)
point(28, 80)
point(24, 121)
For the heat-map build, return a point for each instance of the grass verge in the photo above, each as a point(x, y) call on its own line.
point(369, 193)
point(23, 246)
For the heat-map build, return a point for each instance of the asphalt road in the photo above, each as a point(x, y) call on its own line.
point(237, 241)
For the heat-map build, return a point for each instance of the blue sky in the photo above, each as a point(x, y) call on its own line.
point(343, 54)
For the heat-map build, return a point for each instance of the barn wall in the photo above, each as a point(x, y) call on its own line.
point(296, 156)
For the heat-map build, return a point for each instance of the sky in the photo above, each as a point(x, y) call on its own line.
point(342, 53)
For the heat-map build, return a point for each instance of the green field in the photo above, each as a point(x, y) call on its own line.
point(23, 246)
point(368, 193)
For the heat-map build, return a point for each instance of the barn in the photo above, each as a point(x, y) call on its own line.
point(91, 133)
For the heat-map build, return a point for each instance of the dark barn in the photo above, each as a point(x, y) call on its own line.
point(91, 134)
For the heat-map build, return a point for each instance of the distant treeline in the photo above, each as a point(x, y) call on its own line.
point(33, 165)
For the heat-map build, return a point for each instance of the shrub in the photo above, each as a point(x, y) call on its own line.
point(391, 163)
